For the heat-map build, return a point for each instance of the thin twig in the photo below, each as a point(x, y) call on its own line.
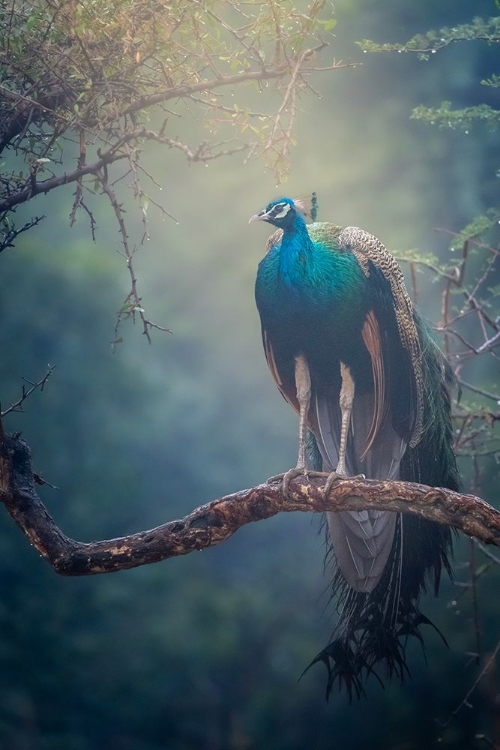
point(465, 702)
point(17, 406)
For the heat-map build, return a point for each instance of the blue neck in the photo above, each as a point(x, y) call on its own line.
point(296, 250)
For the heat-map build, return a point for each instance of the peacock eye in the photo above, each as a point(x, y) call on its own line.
point(280, 210)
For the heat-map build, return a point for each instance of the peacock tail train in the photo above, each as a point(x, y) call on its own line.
point(333, 300)
point(373, 628)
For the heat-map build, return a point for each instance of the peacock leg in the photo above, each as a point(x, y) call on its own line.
point(303, 388)
point(345, 400)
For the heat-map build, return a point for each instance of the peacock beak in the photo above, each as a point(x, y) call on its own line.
point(261, 216)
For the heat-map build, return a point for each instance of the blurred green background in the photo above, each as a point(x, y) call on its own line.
point(206, 651)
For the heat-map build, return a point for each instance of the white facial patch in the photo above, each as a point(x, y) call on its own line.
point(286, 208)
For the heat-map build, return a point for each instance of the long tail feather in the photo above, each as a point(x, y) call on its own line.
point(373, 629)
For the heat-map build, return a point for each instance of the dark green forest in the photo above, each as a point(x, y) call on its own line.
point(206, 650)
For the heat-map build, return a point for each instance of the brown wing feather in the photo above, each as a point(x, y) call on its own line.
point(367, 248)
point(372, 340)
point(287, 390)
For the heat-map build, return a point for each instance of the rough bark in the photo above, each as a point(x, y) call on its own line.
point(216, 521)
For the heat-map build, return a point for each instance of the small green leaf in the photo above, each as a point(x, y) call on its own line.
point(30, 23)
point(330, 24)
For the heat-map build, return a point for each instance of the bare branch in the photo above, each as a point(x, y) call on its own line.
point(64, 179)
point(494, 396)
point(203, 153)
point(26, 392)
point(215, 522)
point(10, 232)
point(465, 702)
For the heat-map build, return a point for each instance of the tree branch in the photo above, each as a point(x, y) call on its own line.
point(64, 179)
point(26, 392)
point(215, 522)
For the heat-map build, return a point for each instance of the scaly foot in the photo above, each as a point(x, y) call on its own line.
point(335, 477)
point(287, 477)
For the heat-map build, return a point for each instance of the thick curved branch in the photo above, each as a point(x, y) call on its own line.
point(211, 524)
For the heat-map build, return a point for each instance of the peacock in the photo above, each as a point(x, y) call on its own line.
point(352, 355)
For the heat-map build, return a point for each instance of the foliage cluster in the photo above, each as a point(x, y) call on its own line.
point(424, 45)
point(83, 77)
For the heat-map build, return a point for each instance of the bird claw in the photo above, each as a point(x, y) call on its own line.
point(287, 477)
point(332, 478)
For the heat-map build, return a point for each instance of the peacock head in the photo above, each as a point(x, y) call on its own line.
point(283, 212)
